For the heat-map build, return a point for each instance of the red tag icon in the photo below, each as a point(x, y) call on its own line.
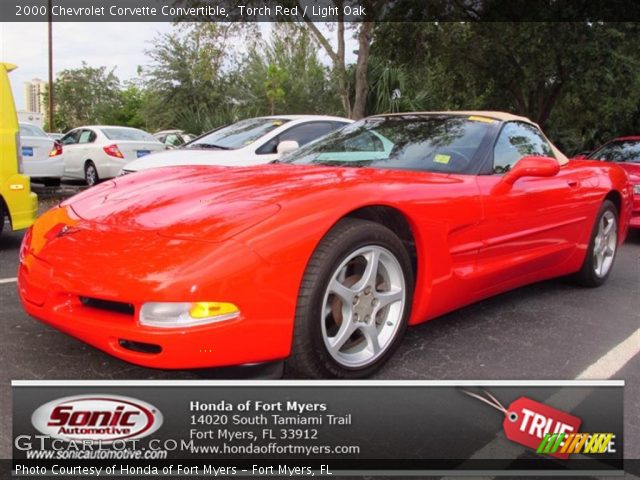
point(526, 422)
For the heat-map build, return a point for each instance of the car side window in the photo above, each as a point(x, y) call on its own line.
point(619, 151)
point(302, 134)
point(172, 139)
point(71, 138)
point(517, 140)
point(87, 136)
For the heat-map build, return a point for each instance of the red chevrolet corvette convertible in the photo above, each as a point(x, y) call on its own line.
point(624, 151)
point(325, 258)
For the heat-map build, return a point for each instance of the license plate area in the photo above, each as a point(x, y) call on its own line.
point(142, 153)
point(27, 151)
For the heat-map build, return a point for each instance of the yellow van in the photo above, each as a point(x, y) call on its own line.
point(17, 202)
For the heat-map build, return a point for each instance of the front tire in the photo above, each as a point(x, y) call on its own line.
point(603, 247)
point(353, 304)
point(91, 176)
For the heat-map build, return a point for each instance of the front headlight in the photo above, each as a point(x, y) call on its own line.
point(636, 189)
point(185, 314)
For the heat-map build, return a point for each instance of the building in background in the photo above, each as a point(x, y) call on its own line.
point(34, 96)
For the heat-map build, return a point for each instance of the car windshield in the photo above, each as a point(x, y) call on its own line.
point(239, 134)
point(128, 134)
point(28, 130)
point(437, 143)
point(620, 151)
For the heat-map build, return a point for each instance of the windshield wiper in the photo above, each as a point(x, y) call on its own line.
point(209, 145)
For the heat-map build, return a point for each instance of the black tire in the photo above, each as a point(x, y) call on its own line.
point(310, 357)
point(587, 276)
point(91, 176)
point(51, 182)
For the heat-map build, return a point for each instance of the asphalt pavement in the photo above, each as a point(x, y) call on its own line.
point(550, 330)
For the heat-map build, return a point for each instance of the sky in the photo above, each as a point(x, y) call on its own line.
point(119, 45)
point(110, 44)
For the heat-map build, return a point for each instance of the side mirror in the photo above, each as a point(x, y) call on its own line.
point(287, 146)
point(528, 167)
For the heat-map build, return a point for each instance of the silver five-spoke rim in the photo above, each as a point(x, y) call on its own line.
point(604, 248)
point(363, 306)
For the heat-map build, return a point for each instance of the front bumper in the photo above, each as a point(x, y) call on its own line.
point(55, 283)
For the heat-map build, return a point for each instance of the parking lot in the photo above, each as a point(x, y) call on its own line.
point(551, 330)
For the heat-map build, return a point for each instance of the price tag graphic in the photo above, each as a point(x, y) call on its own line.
point(526, 421)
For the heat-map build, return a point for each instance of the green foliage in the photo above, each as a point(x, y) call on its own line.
point(84, 96)
point(129, 111)
point(566, 76)
point(580, 81)
point(285, 75)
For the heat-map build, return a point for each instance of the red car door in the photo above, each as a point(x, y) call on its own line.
point(527, 230)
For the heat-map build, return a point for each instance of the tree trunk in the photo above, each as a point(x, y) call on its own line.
point(362, 86)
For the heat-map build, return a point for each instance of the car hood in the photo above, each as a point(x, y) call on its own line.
point(182, 156)
point(216, 203)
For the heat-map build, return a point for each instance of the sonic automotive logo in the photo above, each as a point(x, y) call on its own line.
point(104, 418)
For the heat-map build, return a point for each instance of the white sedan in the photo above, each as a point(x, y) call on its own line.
point(248, 142)
point(41, 155)
point(94, 153)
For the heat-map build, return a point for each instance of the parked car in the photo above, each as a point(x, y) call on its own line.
point(248, 142)
point(41, 155)
point(173, 138)
point(56, 135)
point(18, 204)
point(326, 258)
point(625, 152)
point(98, 152)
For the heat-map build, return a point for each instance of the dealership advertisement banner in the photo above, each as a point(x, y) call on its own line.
point(282, 428)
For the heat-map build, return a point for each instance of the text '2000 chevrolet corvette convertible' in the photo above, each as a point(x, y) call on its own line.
point(325, 258)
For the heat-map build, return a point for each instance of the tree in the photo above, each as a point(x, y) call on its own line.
point(565, 76)
point(364, 34)
point(187, 79)
point(85, 95)
point(129, 111)
point(302, 82)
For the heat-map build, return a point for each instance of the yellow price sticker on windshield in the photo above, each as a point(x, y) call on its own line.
point(475, 118)
point(440, 158)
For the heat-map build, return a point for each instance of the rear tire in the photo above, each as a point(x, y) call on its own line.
point(603, 247)
point(354, 302)
point(91, 176)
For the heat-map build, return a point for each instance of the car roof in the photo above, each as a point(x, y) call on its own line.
point(308, 117)
point(628, 138)
point(502, 116)
point(106, 126)
point(175, 130)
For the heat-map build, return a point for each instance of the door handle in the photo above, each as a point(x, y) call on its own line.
point(573, 183)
